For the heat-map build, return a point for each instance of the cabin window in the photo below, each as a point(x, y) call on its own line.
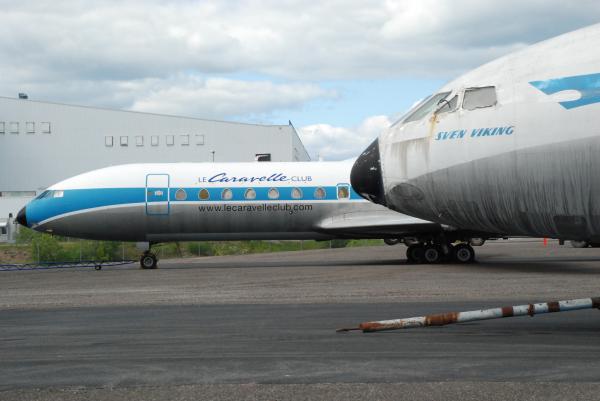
point(154, 140)
point(296, 193)
point(425, 107)
point(447, 106)
point(108, 141)
point(320, 193)
point(250, 194)
point(273, 193)
point(180, 195)
point(227, 194)
point(204, 194)
point(477, 98)
point(343, 192)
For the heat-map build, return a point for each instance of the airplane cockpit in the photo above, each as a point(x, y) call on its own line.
point(448, 101)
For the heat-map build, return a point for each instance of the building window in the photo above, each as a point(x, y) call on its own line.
point(199, 139)
point(1, 127)
point(204, 194)
point(250, 194)
point(139, 140)
point(17, 194)
point(320, 193)
point(185, 140)
point(227, 194)
point(180, 195)
point(262, 157)
point(108, 141)
point(14, 127)
point(170, 140)
point(154, 140)
point(30, 127)
point(45, 127)
point(343, 192)
point(296, 193)
point(124, 141)
point(273, 193)
point(477, 98)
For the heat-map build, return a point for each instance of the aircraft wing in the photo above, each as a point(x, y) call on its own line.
point(380, 224)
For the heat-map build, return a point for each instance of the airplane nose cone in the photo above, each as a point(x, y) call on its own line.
point(22, 217)
point(365, 176)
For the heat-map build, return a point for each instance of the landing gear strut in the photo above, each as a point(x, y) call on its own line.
point(148, 260)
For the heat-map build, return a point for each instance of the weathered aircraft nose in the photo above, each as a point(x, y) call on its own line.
point(22, 217)
point(365, 176)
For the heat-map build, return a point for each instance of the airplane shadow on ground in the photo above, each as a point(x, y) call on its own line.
point(562, 265)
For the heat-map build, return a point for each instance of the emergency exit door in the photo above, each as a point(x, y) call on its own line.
point(157, 194)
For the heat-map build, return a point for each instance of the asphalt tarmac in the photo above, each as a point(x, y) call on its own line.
point(263, 327)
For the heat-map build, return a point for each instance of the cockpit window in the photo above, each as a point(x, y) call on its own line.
point(447, 106)
point(50, 194)
point(476, 98)
point(42, 195)
point(427, 106)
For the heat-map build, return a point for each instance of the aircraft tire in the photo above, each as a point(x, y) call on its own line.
point(464, 253)
point(433, 254)
point(148, 261)
point(415, 253)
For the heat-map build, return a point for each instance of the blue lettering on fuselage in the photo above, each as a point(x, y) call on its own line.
point(475, 133)
point(275, 178)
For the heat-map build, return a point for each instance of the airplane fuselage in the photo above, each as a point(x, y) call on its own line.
point(511, 147)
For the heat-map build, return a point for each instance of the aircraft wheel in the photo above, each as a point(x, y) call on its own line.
point(464, 253)
point(148, 261)
point(415, 253)
point(433, 254)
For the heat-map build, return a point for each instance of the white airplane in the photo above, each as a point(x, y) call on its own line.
point(512, 147)
point(154, 203)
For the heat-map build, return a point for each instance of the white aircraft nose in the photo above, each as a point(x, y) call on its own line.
point(365, 176)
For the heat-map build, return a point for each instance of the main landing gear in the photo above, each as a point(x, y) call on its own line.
point(436, 253)
point(148, 260)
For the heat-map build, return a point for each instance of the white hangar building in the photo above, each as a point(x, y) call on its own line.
point(42, 143)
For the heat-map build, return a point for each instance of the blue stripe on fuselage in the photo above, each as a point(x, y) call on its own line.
point(81, 199)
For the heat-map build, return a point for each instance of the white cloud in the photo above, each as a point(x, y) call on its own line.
point(339, 143)
point(220, 98)
point(171, 56)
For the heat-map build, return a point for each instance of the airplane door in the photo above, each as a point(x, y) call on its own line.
point(157, 194)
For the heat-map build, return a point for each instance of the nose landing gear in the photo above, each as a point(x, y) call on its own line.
point(148, 260)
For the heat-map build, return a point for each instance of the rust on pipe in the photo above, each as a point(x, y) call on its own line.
point(442, 319)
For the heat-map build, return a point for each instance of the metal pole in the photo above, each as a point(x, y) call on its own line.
point(443, 319)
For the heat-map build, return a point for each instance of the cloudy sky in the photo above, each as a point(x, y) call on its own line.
point(339, 70)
